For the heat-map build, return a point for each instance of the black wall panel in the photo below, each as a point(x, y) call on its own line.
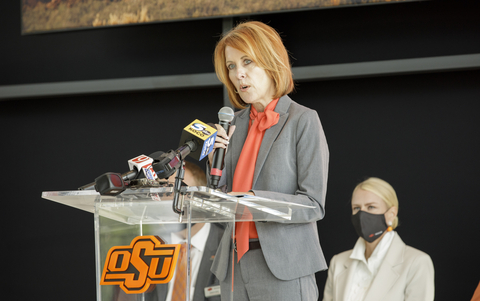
point(119, 52)
point(419, 133)
point(330, 36)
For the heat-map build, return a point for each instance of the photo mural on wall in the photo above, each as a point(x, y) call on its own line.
point(54, 15)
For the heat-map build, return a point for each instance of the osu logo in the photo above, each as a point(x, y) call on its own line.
point(148, 260)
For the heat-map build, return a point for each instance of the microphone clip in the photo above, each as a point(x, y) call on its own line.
point(178, 190)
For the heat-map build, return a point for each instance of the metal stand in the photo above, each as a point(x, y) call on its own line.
point(179, 190)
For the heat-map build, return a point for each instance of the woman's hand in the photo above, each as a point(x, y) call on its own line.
point(222, 140)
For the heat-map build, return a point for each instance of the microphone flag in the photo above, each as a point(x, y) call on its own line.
point(203, 134)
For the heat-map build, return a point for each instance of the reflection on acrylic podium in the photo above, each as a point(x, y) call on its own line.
point(143, 249)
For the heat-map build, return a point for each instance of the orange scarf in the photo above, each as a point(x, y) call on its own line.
point(243, 177)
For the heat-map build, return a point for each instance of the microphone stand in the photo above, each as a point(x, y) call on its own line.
point(178, 189)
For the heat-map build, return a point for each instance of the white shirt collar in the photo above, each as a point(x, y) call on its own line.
point(378, 254)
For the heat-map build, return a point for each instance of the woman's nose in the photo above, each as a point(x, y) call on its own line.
point(241, 73)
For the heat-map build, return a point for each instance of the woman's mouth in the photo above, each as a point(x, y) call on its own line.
point(244, 88)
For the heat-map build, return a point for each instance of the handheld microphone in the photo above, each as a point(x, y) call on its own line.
point(225, 116)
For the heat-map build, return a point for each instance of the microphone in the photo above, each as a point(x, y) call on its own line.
point(113, 183)
point(203, 135)
point(196, 141)
point(110, 183)
point(142, 163)
point(137, 164)
point(225, 116)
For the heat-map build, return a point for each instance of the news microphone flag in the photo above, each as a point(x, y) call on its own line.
point(203, 135)
point(143, 163)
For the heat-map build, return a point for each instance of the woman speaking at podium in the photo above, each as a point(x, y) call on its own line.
point(277, 150)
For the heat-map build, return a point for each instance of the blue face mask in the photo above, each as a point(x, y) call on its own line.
point(369, 226)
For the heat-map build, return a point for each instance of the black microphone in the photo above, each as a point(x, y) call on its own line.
point(203, 135)
point(110, 183)
point(225, 116)
point(169, 162)
point(196, 141)
point(136, 164)
point(156, 156)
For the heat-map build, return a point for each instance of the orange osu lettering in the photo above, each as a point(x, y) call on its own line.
point(148, 260)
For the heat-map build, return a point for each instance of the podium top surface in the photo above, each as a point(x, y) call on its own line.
point(154, 205)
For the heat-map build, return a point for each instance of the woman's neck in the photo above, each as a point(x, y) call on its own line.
point(259, 107)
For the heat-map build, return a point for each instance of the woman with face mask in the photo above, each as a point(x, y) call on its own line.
point(380, 266)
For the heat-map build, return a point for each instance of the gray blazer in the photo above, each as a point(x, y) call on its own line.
point(292, 166)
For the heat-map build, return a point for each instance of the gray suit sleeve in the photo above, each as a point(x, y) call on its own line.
point(302, 162)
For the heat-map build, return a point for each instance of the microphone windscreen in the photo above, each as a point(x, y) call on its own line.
point(226, 114)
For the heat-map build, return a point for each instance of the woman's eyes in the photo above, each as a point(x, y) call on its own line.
point(369, 208)
point(245, 62)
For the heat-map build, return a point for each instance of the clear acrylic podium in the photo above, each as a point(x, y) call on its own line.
point(139, 238)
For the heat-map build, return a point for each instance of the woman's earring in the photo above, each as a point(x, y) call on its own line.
point(235, 90)
point(390, 226)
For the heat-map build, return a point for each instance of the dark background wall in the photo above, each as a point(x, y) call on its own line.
point(420, 132)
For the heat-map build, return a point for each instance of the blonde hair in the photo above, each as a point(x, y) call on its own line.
point(382, 189)
point(264, 46)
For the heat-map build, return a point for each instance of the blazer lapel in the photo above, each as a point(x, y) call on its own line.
point(236, 144)
point(388, 273)
point(343, 279)
point(271, 135)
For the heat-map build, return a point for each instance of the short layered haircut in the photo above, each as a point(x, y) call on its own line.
point(265, 47)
